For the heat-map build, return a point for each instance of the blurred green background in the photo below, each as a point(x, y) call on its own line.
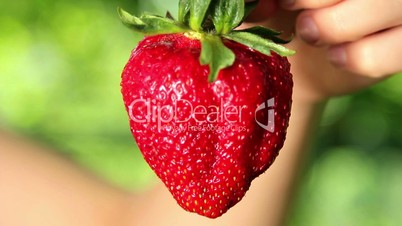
point(60, 65)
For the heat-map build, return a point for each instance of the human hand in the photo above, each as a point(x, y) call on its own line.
point(342, 46)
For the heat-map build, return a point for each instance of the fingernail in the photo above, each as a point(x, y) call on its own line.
point(287, 3)
point(308, 30)
point(337, 56)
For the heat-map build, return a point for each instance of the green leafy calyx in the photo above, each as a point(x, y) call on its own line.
point(210, 21)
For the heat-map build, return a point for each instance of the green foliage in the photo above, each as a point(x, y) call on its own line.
point(216, 54)
point(60, 76)
point(262, 45)
point(353, 176)
point(227, 15)
point(150, 24)
point(184, 11)
point(198, 10)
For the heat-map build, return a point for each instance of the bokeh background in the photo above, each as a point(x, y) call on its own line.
point(60, 65)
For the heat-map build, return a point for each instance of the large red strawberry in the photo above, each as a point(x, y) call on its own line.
point(208, 106)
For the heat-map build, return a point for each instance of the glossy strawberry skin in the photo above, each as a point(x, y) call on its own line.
point(207, 160)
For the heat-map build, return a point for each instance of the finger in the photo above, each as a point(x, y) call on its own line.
point(376, 56)
point(306, 4)
point(348, 21)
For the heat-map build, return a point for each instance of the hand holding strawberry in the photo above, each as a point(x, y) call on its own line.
point(208, 106)
point(345, 48)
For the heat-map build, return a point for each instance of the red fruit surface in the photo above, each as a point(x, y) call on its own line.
point(202, 139)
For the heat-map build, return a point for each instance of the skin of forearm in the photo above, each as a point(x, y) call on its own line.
point(40, 188)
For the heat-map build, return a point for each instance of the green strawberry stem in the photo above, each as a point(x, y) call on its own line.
point(210, 21)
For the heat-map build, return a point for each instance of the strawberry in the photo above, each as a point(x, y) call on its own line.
point(208, 105)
